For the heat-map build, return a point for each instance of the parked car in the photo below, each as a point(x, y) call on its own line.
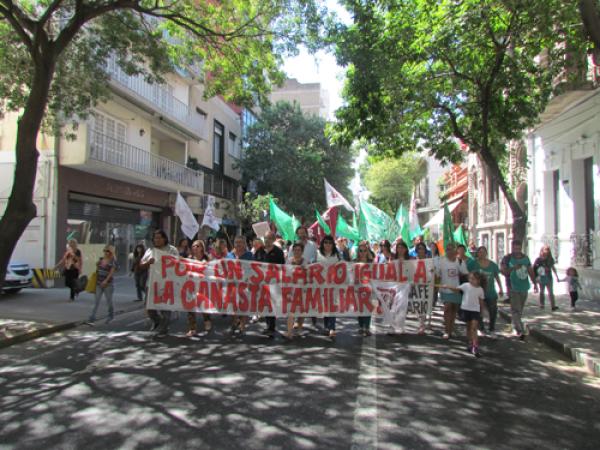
point(18, 276)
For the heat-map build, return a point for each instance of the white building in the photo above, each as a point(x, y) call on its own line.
point(564, 178)
point(427, 195)
point(311, 97)
point(117, 180)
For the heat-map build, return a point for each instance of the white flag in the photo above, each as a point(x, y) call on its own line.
point(334, 198)
point(210, 218)
point(189, 224)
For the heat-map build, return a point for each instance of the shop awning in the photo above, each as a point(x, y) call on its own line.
point(438, 217)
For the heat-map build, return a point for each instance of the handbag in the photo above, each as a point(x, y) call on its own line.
point(81, 283)
point(91, 283)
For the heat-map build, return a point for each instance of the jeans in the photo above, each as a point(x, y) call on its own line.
point(517, 303)
point(108, 294)
point(364, 322)
point(329, 323)
point(161, 319)
point(492, 307)
point(141, 279)
point(550, 287)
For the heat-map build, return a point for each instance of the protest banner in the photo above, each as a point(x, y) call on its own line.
point(230, 286)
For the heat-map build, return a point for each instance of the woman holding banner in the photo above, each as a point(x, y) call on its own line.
point(198, 253)
point(449, 268)
point(240, 251)
point(297, 259)
point(364, 255)
point(328, 254)
point(160, 240)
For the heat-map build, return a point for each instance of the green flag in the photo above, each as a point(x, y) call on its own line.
point(374, 223)
point(448, 227)
point(343, 229)
point(405, 233)
point(284, 222)
point(401, 215)
point(461, 238)
point(322, 223)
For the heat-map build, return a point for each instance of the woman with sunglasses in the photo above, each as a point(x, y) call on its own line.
point(364, 255)
point(385, 252)
point(105, 270)
point(198, 253)
point(328, 254)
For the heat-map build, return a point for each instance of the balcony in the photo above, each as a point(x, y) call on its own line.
point(491, 212)
point(152, 169)
point(158, 100)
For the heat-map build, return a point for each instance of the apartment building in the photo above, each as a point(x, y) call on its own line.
point(427, 195)
point(117, 180)
point(564, 175)
point(311, 97)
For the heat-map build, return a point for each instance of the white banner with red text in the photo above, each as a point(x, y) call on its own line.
point(232, 286)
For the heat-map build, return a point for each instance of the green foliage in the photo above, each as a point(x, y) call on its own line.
point(288, 154)
point(239, 44)
point(391, 181)
point(426, 75)
point(254, 208)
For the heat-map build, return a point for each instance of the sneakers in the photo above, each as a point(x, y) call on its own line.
point(446, 336)
point(554, 308)
point(191, 333)
point(476, 353)
point(480, 333)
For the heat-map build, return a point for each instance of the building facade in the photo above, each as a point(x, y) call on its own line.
point(311, 97)
point(427, 192)
point(564, 177)
point(116, 178)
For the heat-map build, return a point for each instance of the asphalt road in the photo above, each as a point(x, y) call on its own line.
point(115, 386)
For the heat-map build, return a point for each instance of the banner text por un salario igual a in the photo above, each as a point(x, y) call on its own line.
point(230, 286)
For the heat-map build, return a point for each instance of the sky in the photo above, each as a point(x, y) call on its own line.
point(322, 67)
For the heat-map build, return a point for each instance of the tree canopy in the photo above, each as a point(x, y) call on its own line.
point(53, 55)
point(288, 154)
point(432, 75)
point(391, 181)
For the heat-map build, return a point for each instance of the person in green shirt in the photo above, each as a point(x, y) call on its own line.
point(492, 273)
point(519, 268)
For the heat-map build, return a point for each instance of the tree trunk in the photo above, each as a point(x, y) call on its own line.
point(519, 226)
point(591, 20)
point(21, 209)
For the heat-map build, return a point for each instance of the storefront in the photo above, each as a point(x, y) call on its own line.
point(99, 211)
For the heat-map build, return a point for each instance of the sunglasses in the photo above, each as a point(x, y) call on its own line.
point(107, 251)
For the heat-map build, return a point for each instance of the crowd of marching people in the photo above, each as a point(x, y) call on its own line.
point(465, 279)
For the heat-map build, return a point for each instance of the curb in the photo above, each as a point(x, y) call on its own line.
point(574, 354)
point(41, 332)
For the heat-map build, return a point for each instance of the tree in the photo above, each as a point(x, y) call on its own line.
point(254, 208)
point(590, 14)
point(391, 181)
point(53, 52)
point(435, 75)
point(288, 154)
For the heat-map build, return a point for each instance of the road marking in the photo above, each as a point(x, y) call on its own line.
point(365, 411)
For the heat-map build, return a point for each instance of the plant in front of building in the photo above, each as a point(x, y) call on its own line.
point(438, 75)
point(53, 57)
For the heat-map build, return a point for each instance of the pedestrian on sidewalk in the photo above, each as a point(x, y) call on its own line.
point(518, 268)
point(72, 262)
point(105, 270)
point(140, 273)
point(572, 278)
point(160, 242)
point(491, 272)
point(543, 267)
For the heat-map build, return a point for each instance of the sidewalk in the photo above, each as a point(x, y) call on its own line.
point(574, 333)
point(32, 313)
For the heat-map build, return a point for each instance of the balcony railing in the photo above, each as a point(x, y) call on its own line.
point(114, 152)
point(491, 212)
point(216, 184)
point(159, 95)
point(582, 249)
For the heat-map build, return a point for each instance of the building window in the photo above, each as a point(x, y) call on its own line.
point(485, 240)
point(556, 195)
point(493, 189)
point(233, 147)
point(218, 146)
point(500, 247)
